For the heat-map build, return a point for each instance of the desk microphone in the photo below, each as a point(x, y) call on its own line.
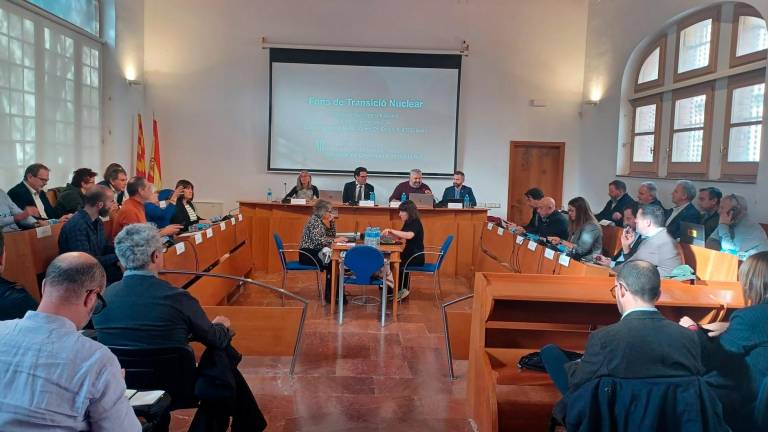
point(285, 188)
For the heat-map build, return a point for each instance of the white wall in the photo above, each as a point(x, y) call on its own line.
point(206, 78)
point(615, 28)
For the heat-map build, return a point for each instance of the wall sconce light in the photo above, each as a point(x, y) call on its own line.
point(134, 82)
point(592, 102)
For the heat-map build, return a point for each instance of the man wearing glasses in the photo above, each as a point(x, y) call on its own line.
point(643, 344)
point(30, 196)
point(51, 375)
point(358, 190)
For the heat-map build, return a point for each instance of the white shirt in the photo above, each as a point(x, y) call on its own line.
point(54, 378)
point(38, 201)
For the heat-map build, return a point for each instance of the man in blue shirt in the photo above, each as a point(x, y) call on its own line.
point(458, 191)
point(85, 231)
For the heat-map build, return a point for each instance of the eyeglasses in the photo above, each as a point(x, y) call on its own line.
point(101, 304)
point(44, 180)
point(613, 289)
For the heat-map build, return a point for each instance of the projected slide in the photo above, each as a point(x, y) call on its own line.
point(330, 117)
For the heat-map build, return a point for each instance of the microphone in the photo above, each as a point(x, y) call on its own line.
point(285, 188)
point(226, 216)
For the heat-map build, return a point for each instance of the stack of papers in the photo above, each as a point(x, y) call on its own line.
point(139, 398)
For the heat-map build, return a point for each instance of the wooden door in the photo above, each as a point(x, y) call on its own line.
point(533, 164)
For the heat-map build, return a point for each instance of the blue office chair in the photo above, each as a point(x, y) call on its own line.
point(363, 262)
point(431, 268)
point(297, 266)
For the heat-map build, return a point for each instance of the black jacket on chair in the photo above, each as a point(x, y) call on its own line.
point(22, 197)
point(350, 190)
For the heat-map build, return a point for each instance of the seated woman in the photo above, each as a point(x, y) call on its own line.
point(735, 353)
point(586, 236)
point(304, 188)
point(413, 234)
point(185, 214)
point(161, 208)
point(319, 233)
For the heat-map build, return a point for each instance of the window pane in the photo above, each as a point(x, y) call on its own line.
point(694, 46)
point(753, 35)
point(650, 69)
point(82, 13)
point(689, 112)
point(643, 149)
point(686, 146)
point(744, 144)
point(645, 118)
point(747, 103)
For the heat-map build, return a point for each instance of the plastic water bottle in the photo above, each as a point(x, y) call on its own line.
point(376, 237)
point(269, 194)
point(403, 197)
point(466, 201)
point(368, 236)
point(372, 197)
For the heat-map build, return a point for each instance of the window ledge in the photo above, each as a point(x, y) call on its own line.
point(742, 180)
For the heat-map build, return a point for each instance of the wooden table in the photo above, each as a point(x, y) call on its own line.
point(288, 221)
point(393, 251)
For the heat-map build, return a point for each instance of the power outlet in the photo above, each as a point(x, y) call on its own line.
point(492, 205)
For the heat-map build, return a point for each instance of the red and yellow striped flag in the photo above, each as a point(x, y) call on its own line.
point(141, 163)
point(155, 170)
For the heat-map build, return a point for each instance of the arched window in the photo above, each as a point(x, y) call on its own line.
point(705, 120)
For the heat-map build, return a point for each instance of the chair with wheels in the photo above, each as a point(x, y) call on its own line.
point(431, 268)
point(297, 266)
point(364, 262)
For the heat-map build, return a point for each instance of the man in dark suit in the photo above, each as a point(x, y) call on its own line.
point(458, 191)
point(629, 243)
point(647, 194)
point(643, 344)
point(684, 210)
point(614, 208)
point(358, 190)
point(553, 223)
point(116, 179)
point(709, 203)
point(30, 193)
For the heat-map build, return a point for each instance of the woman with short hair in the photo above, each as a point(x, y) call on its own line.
point(413, 234)
point(319, 233)
point(304, 188)
point(185, 214)
point(735, 353)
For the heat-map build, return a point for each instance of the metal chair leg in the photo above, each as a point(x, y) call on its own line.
point(439, 284)
point(285, 279)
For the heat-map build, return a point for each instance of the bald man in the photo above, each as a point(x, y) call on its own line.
point(553, 223)
point(51, 375)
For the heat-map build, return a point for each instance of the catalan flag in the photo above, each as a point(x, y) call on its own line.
point(155, 171)
point(141, 163)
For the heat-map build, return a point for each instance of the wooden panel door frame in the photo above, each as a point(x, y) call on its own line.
point(558, 194)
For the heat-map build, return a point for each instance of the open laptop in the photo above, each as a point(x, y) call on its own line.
point(422, 200)
point(692, 234)
point(334, 196)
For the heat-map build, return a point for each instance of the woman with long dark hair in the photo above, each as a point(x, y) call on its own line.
point(585, 233)
point(413, 234)
point(186, 214)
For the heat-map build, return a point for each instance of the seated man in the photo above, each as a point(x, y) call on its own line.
point(85, 231)
point(684, 210)
point(643, 344)
point(71, 198)
point(139, 191)
point(116, 178)
point(552, 222)
point(358, 190)
point(629, 242)
point(459, 190)
point(709, 204)
point(29, 192)
point(161, 208)
point(12, 218)
point(618, 202)
point(15, 301)
point(413, 185)
point(52, 376)
point(646, 194)
point(169, 317)
point(656, 247)
point(737, 233)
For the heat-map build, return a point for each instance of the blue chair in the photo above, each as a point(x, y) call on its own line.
point(363, 262)
point(431, 268)
point(297, 266)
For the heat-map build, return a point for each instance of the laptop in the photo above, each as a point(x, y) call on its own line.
point(334, 196)
point(422, 200)
point(692, 234)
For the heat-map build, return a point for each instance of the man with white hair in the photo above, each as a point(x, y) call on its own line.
point(413, 185)
point(737, 233)
point(647, 194)
point(684, 210)
point(52, 376)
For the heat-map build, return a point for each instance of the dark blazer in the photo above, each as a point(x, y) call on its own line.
point(534, 222)
point(643, 344)
point(292, 193)
point(118, 195)
point(658, 203)
point(610, 208)
point(554, 225)
point(688, 214)
point(147, 312)
point(449, 193)
point(348, 195)
point(20, 195)
point(710, 223)
point(632, 249)
point(737, 364)
point(181, 217)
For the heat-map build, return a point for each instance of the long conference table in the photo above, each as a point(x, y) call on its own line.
point(288, 221)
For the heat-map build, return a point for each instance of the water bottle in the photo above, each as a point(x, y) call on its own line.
point(403, 197)
point(368, 236)
point(466, 201)
point(372, 198)
point(376, 237)
point(269, 194)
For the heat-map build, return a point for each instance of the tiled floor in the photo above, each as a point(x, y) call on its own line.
point(359, 376)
